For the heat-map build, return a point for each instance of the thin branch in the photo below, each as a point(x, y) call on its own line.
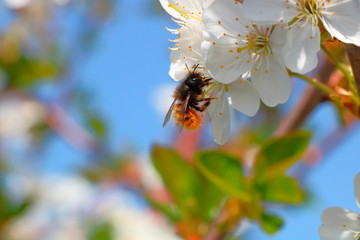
point(353, 54)
point(313, 81)
point(338, 65)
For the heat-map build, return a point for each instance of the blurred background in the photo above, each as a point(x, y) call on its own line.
point(84, 90)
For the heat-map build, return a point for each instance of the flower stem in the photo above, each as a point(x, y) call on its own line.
point(347, 74)
point(319, 85)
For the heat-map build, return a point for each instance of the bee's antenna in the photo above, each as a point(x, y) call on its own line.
point(195, 67)
point(187, 68)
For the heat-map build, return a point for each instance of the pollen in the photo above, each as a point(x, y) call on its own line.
point(239, 35)
point(311, 37)
point(224, 34)
point(267, 70)
point(219, 22)
point(236, 43)
point(241, 80)
point(230, 50)
point(236, 19)
point(214, 43)
point(220, 113)
point(221, 66)
point(192, 119)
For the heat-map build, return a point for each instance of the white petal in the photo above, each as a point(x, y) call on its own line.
point(176, 8)
point(344, 24)
point(279, 42)
point(190, 38)
point(327, 232)
point(269, 11)
point(339, 217)
point(178, 69)
point(169, 10)
point(244, 97)
point(220, 116)
point(304, 45)
point(271, 81)
point(224, 62)
point(225, 16)
point(357, 188)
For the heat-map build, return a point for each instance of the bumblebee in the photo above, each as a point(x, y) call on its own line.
point(189, 100)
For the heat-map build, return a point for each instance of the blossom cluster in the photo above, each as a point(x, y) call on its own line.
point(248, 46)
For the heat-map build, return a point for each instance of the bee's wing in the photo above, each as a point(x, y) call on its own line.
point(184, 107)
point(168, 114)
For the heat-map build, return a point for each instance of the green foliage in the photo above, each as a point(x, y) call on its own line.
point(225, 171)
point(193, 195)
point(243, 193)
point(100, 231)
point(9, 208)
point(270, 223)
point(179, 177)
point(278, 154)
point(167, 209)
point(97, 125)
point(26, 72)
point(283, 189)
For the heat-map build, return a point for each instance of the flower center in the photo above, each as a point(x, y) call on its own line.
point(309, 10)
point(258, 42)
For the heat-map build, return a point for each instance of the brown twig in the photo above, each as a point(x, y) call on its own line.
point(353, 54)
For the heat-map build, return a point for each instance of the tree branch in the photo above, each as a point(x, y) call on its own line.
point(353, 54)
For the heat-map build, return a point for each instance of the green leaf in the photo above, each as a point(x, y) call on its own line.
point(225, 171)
point(194, 196)
point(271, 224)
point(168, 210)
point(101, 231)
point(26, 72)
point(97, 124)
point(179, 177)
point(283, 189)
point(278, 154)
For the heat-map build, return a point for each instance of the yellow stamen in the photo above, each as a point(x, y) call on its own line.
point(185, 14)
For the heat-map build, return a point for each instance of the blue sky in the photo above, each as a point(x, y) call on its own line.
point(132, 60)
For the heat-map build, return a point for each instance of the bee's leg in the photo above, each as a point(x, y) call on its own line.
point(207, 80)
point(205, 105)
point(197, 108)
point(206, 99)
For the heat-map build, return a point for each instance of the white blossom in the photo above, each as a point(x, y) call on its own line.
point(235, 46)
point(340, 18)
point(187, 49)
point(339, 223)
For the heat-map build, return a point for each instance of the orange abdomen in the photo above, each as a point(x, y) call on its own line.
point(192, 120)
